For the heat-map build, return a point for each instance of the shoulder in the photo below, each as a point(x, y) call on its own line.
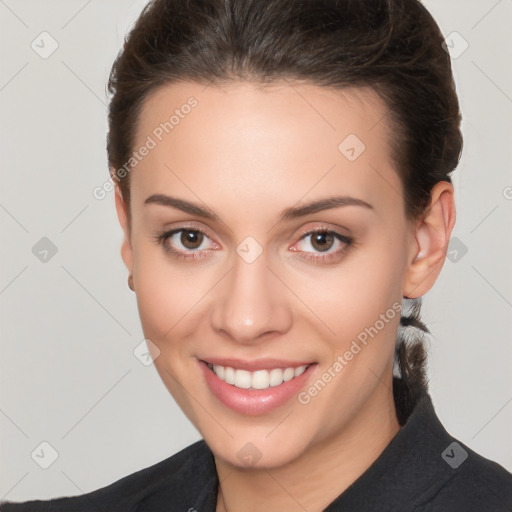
point(181, 477)
point(457, 477)
point(473, 482)
point(427, 469)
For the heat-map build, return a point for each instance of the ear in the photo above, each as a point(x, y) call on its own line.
point(123, 215)
point(431, 238)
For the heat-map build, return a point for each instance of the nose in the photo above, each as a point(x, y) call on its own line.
point(252, 304)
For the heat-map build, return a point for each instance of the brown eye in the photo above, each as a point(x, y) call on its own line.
point(323, 245)
point(322, 240)
point(186, 243)
point(191, 239)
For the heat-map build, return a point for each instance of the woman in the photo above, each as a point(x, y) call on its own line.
point(282, 175)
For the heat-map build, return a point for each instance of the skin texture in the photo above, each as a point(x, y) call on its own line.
point(248, 153)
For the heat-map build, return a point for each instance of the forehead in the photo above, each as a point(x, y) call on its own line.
point(239, 108)
point(299, 138)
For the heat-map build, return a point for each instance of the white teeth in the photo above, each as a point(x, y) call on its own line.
point(276, 377)
point(229, 375)
point(260, 379)
point(288, 374)
point(219, 370)
point(300, 370)
point(242, 379)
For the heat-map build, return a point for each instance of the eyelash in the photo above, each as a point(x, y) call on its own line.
point(348, 243)
point(199, 255)
point(192, 255)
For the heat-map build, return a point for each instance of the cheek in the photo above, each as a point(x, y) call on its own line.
point(354, 295)
point(345, 298)
point(165, 301)
point(156, 303)
point(163, 291)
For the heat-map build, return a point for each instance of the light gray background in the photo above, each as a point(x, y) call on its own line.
point(69, 326)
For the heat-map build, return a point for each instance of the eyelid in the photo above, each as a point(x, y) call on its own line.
point(184, 254)
point(346, 239)
point(165, 234)
point(197, 230)
point(323, 226)
point(189, 226)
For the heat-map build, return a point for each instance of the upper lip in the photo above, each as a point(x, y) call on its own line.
point(255, 364)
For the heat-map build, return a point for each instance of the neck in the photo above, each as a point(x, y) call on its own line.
point(307, 483)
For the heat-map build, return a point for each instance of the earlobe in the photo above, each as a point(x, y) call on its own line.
point(124, 220)
point(432, 235)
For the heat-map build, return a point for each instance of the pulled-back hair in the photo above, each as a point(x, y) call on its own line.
point(393, 46)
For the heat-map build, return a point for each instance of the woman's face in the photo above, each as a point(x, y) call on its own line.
point(227, 271)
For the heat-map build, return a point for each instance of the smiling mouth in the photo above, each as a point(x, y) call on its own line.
point(259, 379)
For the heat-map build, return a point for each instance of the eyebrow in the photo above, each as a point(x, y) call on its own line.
point(288, 214)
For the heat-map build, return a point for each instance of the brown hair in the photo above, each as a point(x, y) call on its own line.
point(393, 46)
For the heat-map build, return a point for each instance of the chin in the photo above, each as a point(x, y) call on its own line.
point(259, 451)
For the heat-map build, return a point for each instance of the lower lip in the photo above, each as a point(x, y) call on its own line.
point(254, 401)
